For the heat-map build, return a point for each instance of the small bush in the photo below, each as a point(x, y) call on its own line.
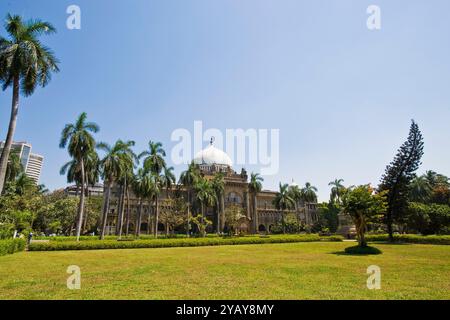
point(362, 250)
point(11, 246)
point(410, 238)
point(165, 243)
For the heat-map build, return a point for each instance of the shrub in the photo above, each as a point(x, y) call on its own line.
point(164, 243)
point(334, 238)
point(410, 238)
point(11, 246)
point(362, 250)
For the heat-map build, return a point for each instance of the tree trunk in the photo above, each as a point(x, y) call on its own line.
point(81, 204)
point(188, 214)
point(105, 209)
point(127, 223)
point(139, 221)
point(389, 225)
point(255, 213)
point(120, 208)
point(156, 216)
point(10, 135)
point(222, 208)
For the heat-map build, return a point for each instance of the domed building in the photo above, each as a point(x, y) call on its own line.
point(236, 194)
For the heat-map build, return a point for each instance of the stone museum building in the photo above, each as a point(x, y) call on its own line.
point(236, 192)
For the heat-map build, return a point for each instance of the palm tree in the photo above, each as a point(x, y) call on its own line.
point(139, 186)
point(155, 187)
point(189, 179)
point(283, 201)
point(255, 186)
point(205, 195)
point(79, 141)
point(168, 179)
point(218, 185)
point(337, 189)
point(23, 183)
point(24, 64)
point(154, 157)
point(296, 194)
point(14, 167)
point(420, 189)
point(309, 193)
point(117, 160)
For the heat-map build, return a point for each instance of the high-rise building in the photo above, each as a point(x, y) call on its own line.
point(31, 162)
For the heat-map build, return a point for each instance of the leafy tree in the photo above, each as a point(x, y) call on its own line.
point(337, 189)
point(328, 215)
point(398, 176)
point(420, 190)
point(14, 167)
point(172, 215)
point(80, 143)
point(205, 195)
point(364, 206)
point(254, 187)
point(189, 179)
point(218, 185)
point(202, 224)
point(233, 215)
point(25, 63)
point(283, 201)
point(309, 193)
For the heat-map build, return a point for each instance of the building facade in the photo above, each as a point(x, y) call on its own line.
point(236, 193)
point(31, 162)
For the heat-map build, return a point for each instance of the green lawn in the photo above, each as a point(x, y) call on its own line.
point(269, 271)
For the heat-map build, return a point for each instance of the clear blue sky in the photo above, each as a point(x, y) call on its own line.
point(341, 95)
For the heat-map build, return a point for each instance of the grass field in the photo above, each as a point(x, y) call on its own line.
point(271, 271)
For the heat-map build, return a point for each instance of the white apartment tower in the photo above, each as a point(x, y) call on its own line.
point(31, 162)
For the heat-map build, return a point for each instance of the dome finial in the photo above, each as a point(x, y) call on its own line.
point(212, 141)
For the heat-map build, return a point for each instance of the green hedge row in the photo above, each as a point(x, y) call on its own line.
point(11, 246)
point(410, 238)
point(163, 243)
point(130, 237)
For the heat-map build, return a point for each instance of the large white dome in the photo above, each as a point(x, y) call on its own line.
point(212, 155)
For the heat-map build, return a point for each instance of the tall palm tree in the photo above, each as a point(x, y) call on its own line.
point(117, 160)
point(218, 185)
point(25, 63)
point(23, 183)
point(80, 142)
point(140, 186)
point(154, 163)
point(205, 195)
point(189, 179)
point(283, 201)
point(255, 186)
point(154, 157)
point(309, 193)
point(155, 188)
point(337, 189)
point(168, 179)
point(296, 194)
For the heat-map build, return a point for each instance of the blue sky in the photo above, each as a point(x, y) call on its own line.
point(341, 95)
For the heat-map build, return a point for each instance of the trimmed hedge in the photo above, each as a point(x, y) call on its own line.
point(11, 246)
point(165, 243)
point(409, 238)
point(130, 237)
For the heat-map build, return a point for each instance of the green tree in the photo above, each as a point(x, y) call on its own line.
point(309, 193)
point(254, 187)
point(337, 189)
point(202, 224)
point(233, 216)
point(205, 195)
point(398, 176)
point(116, 164)
point(80, 143)
point(189, 179)
point(25, 63)
point(364, 206)
point(420, 190)
point(283, 201)
point(218, 185)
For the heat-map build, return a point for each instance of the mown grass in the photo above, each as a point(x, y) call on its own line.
point(313, 270)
